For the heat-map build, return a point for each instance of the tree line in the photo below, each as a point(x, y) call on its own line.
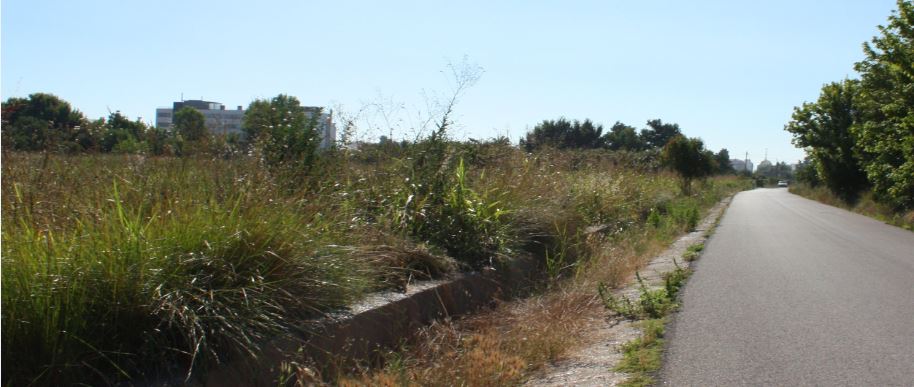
point(564, 134)
point(284, 137)
point(859, 133)
point(687, 156)
point(279, 127)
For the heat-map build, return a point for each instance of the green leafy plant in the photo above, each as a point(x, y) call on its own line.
point(674, 281)
point(642, 356)
point(654, 219)
point(651, 303)
point(693, 252)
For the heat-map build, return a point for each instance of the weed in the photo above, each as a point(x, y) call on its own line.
point(693, 252)
point(642, 355)
point(622, 306)
point(557, 259)
point(652, 303)
point(674, 280)
point(654, 218)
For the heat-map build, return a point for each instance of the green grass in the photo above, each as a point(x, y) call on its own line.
point(693, 252)
point(114, 266)
point(642, 356)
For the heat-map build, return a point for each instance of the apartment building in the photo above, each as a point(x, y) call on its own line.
point(220, 120)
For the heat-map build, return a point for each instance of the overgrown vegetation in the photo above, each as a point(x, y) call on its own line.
point(115, 266)
point(525, 335)
point(859, 134)
point(181, 250)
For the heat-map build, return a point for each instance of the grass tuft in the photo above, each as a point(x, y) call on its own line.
point(693, 252)
point(642, 356)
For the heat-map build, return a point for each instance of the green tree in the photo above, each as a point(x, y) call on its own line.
point(823, 128)
point(659, 134)
point(190, 124)
point(157, 140)
point(722, 160)
point(564, 134)
point(43, 122)
point(283, 131)
point(622, 136)
point(689, 158)
point(122, 134)
point(885, 134)
point(258, 119)
point(806, 173)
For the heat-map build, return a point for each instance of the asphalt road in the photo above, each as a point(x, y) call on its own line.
point(793, 292)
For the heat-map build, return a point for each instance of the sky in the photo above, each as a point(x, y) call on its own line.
point(729, 72)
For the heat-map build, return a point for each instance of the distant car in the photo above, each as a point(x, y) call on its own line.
point(782, 183)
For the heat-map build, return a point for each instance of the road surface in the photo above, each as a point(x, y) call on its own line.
point(793, 292)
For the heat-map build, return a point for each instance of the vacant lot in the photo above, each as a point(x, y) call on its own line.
point(121, 267)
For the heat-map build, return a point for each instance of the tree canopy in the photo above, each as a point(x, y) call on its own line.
point(722, 160)
point(658, 134)
point(282, 130)
point(622, 136)
point(861, 133)
point(824, 129)
point(689, 158)
point(564, 134)
point(41, 122)
point(885, 133)
point(190, 124)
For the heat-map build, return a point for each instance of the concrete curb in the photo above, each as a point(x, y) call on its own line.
point(382, 321)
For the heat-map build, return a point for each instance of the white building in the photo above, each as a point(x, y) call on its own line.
point(742, 165)
point(222, 121)
point(218, 119)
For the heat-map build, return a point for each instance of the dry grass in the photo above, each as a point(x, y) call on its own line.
point(496, 348)
point(507, 345)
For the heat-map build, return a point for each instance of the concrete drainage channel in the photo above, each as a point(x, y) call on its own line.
point(382, 321)
point(594, 363)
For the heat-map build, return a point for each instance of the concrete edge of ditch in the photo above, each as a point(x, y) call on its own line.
point(381, 321)
point(384, 320)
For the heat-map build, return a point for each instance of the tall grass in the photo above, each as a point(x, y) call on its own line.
point(118, 267)
point(125, 267)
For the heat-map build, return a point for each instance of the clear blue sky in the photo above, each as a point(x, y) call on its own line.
point(729, 72)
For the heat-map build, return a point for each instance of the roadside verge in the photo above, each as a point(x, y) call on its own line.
point(596, 362)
